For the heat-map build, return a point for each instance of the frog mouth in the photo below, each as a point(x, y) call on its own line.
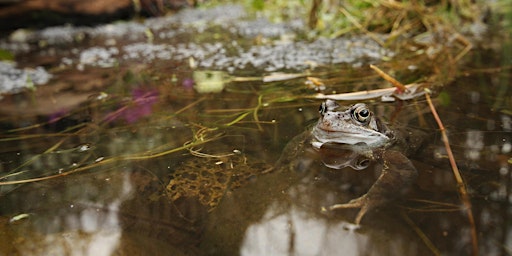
point(362, 132)
point(369, 137)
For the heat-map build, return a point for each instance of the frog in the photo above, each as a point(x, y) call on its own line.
point(312, 173)
point(356, 129)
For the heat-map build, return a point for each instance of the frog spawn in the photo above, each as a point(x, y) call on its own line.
point(207, 179)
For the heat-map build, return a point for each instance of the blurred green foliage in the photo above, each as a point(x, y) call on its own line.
point(6, 55)
point(333, 18)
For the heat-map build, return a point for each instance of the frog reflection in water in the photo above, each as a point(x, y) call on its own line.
point(358, 132)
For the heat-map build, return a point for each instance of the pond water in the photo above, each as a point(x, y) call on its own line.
point(163, 137)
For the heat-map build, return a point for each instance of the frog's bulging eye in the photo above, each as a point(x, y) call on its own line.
point(322, 109)
point(361, 114)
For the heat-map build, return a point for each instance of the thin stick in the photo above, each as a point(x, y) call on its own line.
point(389, 78)
point(133, 157)
point(461, 186)
point(412, 89)
point(420, 233)
point(255, 113)
point(361, 27)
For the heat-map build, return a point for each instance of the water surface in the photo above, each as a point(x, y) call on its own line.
point(120, 153)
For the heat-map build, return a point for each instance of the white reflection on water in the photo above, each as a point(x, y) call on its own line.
point(94, 230)
point(474, 144)
point(297, 233)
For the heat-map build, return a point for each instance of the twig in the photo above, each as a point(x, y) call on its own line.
point(31, 160)
point(132, 157)
point(412, 91)
point(255, 113)
point(461, 186)
point(389, 78)
point(420, 233)
point(361, 27)
point(190, 105)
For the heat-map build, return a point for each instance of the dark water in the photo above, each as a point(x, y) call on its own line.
point(143, 164)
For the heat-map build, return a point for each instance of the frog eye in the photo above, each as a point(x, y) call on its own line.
point(361, 113)
point(322, 109)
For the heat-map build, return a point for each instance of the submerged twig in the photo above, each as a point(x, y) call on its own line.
point(255, 113)
point(239, 118)
point(31, 160)
point(190, 105)
point(461, 186)
point(433, 206)
point(421, 234)
point(132, 157)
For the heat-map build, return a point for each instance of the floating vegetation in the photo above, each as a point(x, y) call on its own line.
point(210, 81)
